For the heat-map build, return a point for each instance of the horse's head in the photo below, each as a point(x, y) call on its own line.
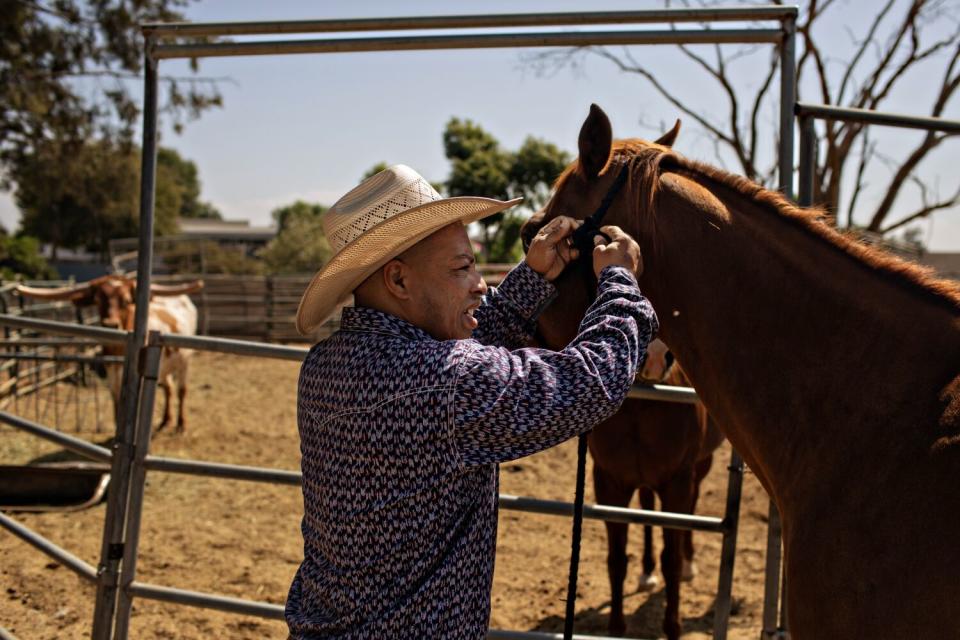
point(659, 363)
point(578, 193)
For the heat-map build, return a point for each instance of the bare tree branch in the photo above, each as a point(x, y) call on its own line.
point(930, 141)
point(866, 153)
point(665, 93)
point(855, 60)
point(925, 211)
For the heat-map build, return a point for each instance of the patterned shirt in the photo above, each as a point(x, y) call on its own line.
point(401, 435)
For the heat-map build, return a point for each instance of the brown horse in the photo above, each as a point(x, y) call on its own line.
point(653, 446)
point(833, 368)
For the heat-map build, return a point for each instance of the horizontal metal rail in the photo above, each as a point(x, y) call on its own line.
point(275, 611)
point(664, 393)
point(826, 112)
point(63, 357)
point(48, 342)
point(206, 600)
point(77, 445)
point(101, 334)
point(507, 502)
point(613, 514)
point(222, 470)
point(236, 347)
point(717, 14)
point(472, 41)
point(61, 555)
point(499, 634)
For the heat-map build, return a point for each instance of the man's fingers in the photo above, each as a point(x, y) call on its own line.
point(558, 228)
point(614, 231)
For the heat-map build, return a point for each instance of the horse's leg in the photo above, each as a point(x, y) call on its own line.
point(648, 581)
point(611, 491)
point(676, 495)
point(689, 566)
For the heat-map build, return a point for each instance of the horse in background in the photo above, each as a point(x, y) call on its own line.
point(654, 447)
point(832, 367)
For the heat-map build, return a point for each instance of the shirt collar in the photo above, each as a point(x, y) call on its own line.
point(367, 320)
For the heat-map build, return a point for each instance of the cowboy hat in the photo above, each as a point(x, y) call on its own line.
point(375, 222)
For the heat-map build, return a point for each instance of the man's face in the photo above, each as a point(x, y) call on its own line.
point(445, 287)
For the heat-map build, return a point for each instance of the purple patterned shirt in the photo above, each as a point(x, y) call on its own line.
point(401, 435)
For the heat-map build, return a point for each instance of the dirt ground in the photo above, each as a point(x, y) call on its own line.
point(242, 539)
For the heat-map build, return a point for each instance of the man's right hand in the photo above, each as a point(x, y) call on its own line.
point(621, 251)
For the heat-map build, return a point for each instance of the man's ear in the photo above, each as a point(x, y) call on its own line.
point(396, 276)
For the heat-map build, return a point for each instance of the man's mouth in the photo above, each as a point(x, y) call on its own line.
point(471, 321)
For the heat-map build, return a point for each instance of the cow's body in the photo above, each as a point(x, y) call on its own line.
point(171, 311)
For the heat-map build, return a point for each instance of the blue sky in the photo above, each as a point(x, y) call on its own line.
point(308, 126)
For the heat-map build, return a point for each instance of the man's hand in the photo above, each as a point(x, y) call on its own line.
point(621, 251)
point(550, 250)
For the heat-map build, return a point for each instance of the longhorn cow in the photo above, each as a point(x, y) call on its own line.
point(171, 311)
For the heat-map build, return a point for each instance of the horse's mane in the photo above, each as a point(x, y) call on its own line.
point(648, 161)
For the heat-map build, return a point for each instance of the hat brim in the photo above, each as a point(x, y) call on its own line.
point(357, 261)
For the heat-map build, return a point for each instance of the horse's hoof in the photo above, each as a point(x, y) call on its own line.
point(648, 582)
point(689, 571)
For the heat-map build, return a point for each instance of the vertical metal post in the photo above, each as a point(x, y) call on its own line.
point(808, 159)
point(771, 588)
point(728, 552)
point(113, 531)
point(138, 476)
point(788, 96)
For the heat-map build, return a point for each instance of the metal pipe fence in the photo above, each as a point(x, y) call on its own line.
point(141, 462)
point(115, 573)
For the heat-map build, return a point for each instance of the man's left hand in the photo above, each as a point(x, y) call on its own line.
point(551, 249)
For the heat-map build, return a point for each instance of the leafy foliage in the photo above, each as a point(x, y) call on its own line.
point(480, 167)
point(20, 257)
point(177, 173)
point(86, 193)
point(65, 72)
point(300, 245)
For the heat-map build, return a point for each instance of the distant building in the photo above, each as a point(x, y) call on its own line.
point(75, 264)
point(194, 237)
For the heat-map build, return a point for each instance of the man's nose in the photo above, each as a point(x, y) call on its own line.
point(481, 286)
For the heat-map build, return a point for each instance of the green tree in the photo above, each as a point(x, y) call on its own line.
point(20, 257)
point(86, 193)
point(480, 167)
point(182, 175)
point(374, 170)
point(300, 245)
point(51, 53)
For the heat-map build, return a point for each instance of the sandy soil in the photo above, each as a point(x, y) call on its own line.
point(242, 539)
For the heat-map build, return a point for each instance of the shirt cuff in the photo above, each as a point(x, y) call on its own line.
point(616, 275)
point(529, 291)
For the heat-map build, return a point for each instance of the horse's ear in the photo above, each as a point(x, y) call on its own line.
point(670, 137)
point(596, 139)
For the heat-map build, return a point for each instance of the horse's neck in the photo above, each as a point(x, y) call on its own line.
point(795, 346)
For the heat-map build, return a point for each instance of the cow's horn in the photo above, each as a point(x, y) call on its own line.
point(73, 292)
point(176, 289)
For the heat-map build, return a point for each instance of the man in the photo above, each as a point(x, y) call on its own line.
point(406, 411)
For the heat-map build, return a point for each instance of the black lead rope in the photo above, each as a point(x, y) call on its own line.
point(583, 240)
point(575, 545)
point(584, 234)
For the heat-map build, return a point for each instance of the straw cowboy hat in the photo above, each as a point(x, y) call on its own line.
point(375, 222)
